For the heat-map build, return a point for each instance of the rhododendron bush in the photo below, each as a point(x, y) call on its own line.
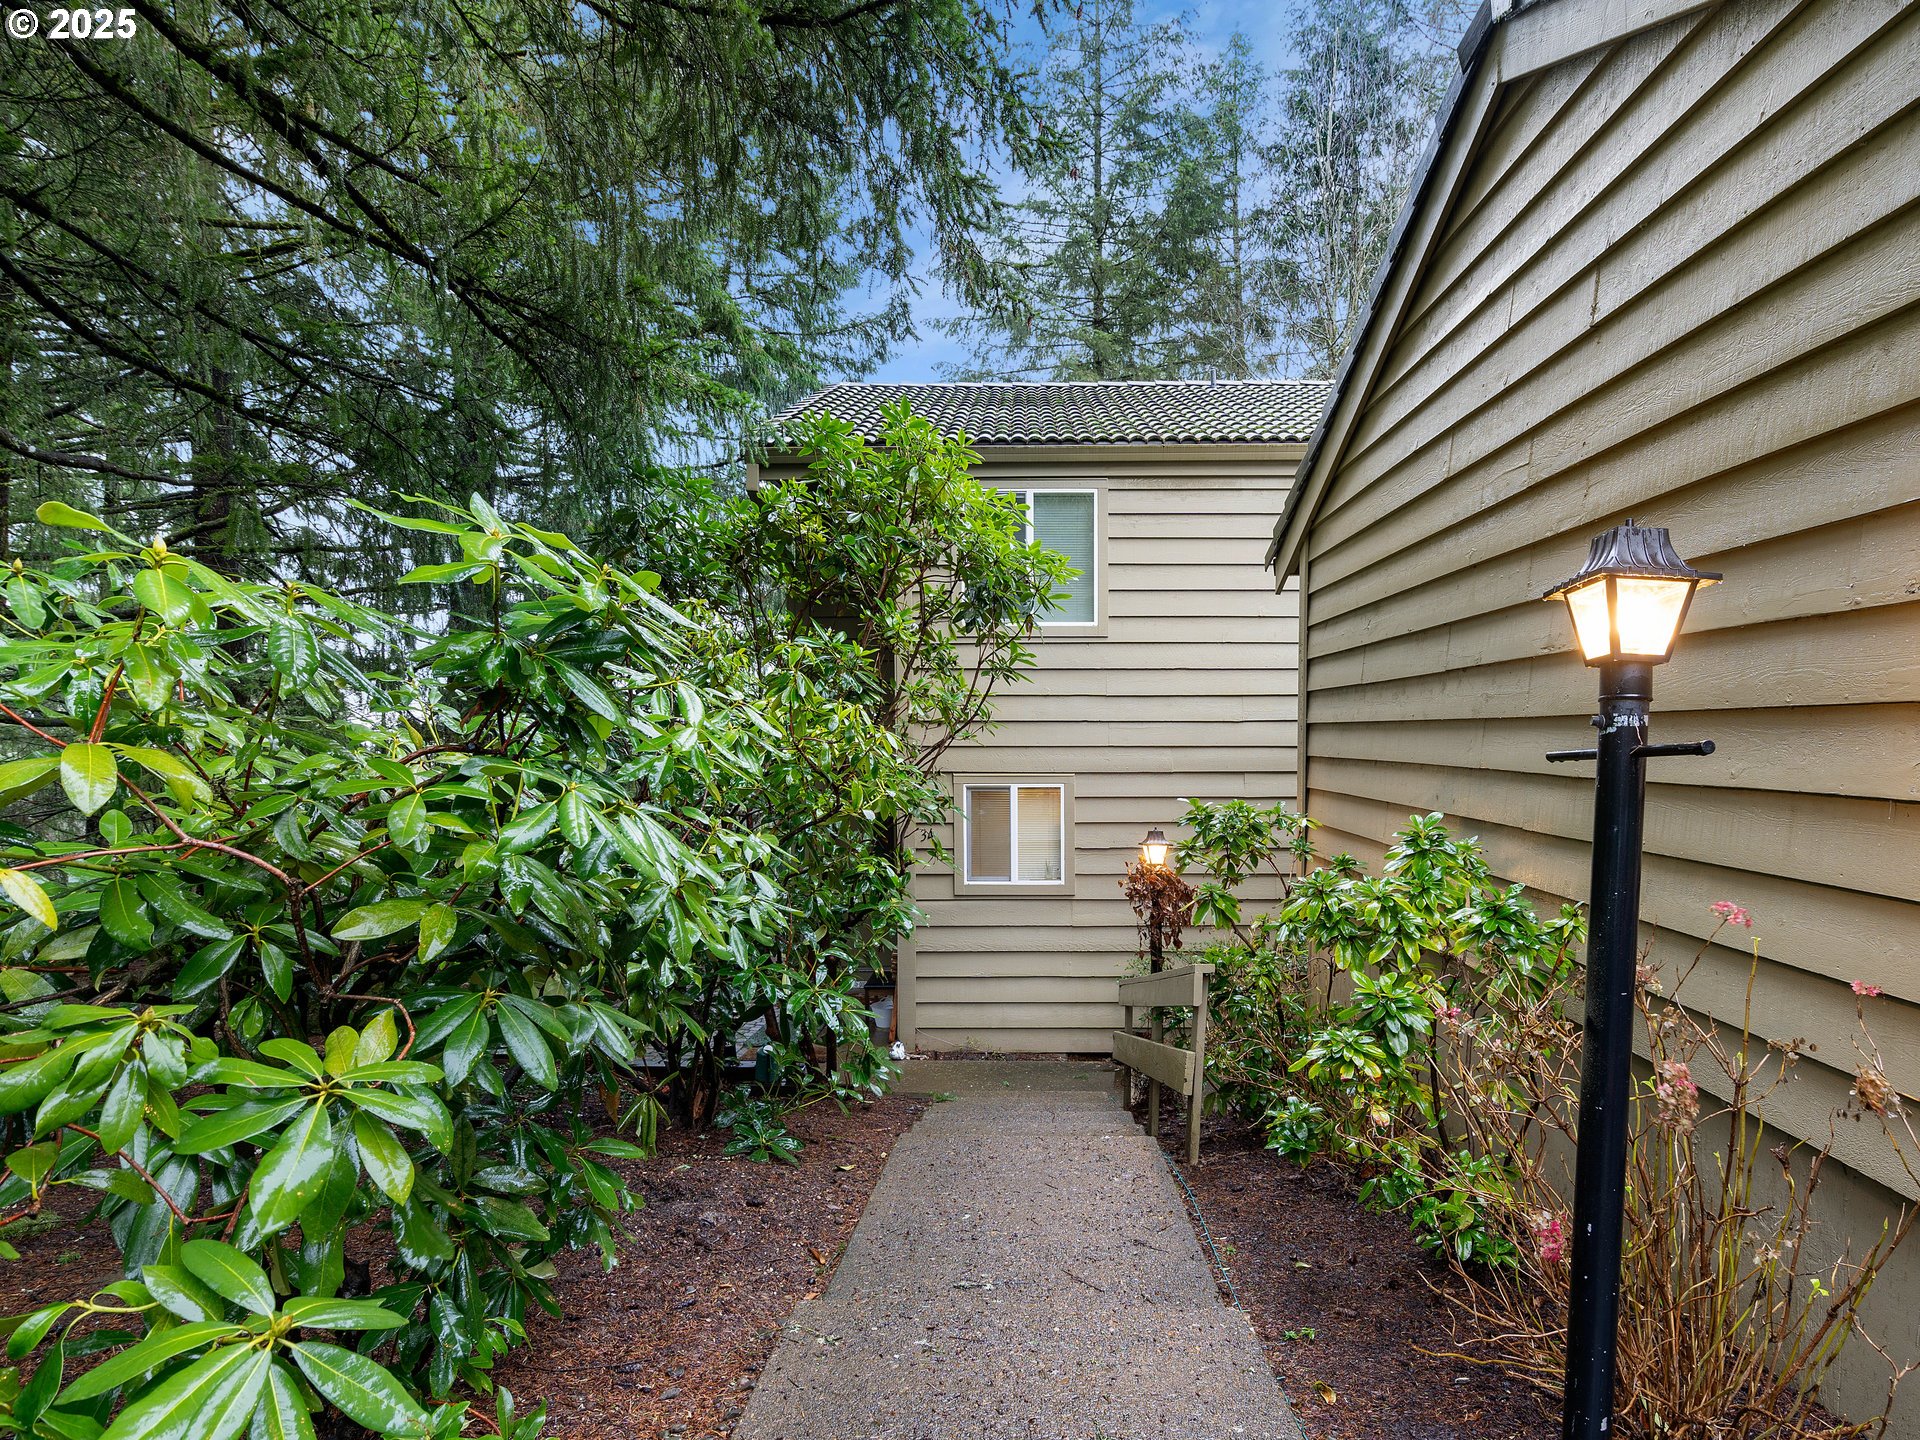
point(1422, 1027)
point(331, 950)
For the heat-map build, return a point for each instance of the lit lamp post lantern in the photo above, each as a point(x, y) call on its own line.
point(1153, 849)
point(1153, 856)
point(1627, 604)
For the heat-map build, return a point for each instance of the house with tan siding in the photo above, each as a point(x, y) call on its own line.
point(1661, 263)
point(1167, 672)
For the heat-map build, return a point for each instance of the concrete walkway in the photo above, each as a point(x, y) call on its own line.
point(1025, 1268)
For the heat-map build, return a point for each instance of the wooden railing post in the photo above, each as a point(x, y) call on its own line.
point(1153, 1085)
point(1199, 1066)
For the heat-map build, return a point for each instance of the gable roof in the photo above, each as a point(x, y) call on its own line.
point(1085, 412)
point(1507, 41)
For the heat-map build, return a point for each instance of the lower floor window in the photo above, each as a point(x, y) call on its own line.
point(1015, 834)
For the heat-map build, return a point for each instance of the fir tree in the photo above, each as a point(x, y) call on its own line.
point(259, 258)
point(1354, 114)
point(1086, 297)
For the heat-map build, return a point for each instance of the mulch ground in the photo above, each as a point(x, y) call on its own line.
point(1345, 1302)
point(669, 1344)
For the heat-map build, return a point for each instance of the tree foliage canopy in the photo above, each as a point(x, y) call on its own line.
point(260, 257)
point(1206, 217)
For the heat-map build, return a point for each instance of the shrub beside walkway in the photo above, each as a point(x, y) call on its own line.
point(1025, 1268)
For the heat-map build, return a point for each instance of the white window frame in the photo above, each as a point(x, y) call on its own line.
point(964, 883)
point(1097, 625)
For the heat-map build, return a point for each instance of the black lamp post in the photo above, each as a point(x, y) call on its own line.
point(1154, 850)
point(1627, 605)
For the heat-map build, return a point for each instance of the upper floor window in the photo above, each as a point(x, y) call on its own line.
point(1067, 522)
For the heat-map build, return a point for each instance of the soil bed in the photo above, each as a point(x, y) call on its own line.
point(669, 1343)
point(1345, 1301)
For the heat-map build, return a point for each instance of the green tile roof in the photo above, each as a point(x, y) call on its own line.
point(1091, 412)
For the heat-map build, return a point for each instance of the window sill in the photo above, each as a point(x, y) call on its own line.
point(1011, 890)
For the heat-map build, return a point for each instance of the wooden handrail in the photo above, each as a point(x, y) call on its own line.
point(1183, 1071)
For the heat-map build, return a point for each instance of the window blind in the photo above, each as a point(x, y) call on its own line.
point(1038, 847)
point(1063, 523)
point(989, 832)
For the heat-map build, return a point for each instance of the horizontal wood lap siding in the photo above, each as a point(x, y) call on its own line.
point(1191, 693)
point(1678, 280)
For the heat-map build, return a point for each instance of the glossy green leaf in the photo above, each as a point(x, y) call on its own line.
point(163, 893)
point(422, 1111)
point(123, 913)
point(407, 822)
point(363, 1390)
point(379, 1038)
point(293, 1171)
point(28, 1334)
point(176, 774)
point(35, 1162)
point(88, 775)
point(211, 1399)
point(146, 679)
point(337, 1056)
point(430, 1031)
point(251, 1073)
point(37, 1394)
point(124, 1107)
point(394, 1072)
point(527, 1046)
point(283, 1410)
point(465, 1045)
point(293, 651)
point(28, 893)
point(150, 1354)
point(235, 1124)
point(527, 829)
point(20, 778)
point(25, 1083)
point(382, 918)
point(229, 1274)
point(384, 1156)
point(296, 1053)
point(164, 594)
point(437, 924)
point(182, 1294)
point(277, 966)
point(322, 1314)
point(509, 1218)
point(58, 512)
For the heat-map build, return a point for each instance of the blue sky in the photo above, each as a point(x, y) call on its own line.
point(1211, 24)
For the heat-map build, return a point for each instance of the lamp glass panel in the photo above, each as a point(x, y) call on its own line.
point(1039, 847)
point(989, 832)
point(1588, 605)
point(1154, 852)
point(1647, 613)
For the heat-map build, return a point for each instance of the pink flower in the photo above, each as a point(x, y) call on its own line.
point(1676, 1094)
point(1860, 987)
point(1732, 914)
point(1551, 1238)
